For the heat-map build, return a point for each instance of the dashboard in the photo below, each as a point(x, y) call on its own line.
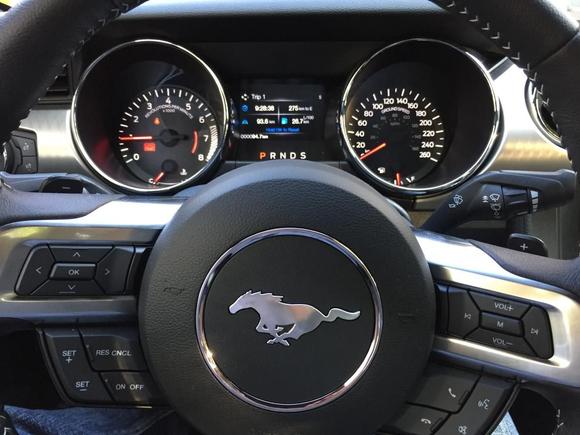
point(409, 99)
point(418, 116)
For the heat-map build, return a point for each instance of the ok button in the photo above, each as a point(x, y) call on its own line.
point(70, 271)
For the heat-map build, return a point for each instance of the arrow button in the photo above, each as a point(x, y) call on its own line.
point(69, 288)
point(79, 254)
point(35, 271)
point(112, 270)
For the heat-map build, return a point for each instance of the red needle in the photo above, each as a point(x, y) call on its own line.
point(398, 180)
point(158, 178)
point(194, 146)
point(374, 150)
point(129, 138)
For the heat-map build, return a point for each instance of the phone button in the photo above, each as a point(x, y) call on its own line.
point(444, 388)
point(416, 420)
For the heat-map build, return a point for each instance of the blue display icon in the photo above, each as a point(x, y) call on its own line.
point(284, 120)
point(245, 122)
point(245, 107)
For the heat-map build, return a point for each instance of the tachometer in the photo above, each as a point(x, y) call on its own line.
point(397, 134)
point(167, 135)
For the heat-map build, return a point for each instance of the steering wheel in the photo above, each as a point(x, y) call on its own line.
point(378, 290)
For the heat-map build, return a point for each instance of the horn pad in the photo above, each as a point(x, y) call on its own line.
point(287, 297)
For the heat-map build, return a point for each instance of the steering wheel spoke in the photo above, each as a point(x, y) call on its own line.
point(68, 271)
point(493, 319)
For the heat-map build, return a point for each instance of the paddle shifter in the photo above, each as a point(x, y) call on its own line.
point(503, 195)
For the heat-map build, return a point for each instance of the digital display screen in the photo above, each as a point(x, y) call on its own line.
point(281, 121)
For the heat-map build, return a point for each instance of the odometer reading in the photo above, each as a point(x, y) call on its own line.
point(397, 134)
point(167, 135)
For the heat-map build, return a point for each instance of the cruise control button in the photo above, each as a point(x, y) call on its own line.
point(36, 270)
point(501, 341)
point(79, 254)
point(499, 306)
point(69, 288)
point(480, 410)
point(113, 349)
point(417, 420)
point(132, 388)
point(73, 271)
point(501, 324)
point(444, 388)
point(463, 313)
point(112, 270)
point(537, 332)
point(80, 383)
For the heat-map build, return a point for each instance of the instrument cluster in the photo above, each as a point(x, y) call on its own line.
point(416, 118)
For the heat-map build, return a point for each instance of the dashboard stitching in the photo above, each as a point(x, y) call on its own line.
point(513, 54)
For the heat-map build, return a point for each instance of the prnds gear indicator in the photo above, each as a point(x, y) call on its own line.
point(281, 121)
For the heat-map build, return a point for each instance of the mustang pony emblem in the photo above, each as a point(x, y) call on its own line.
point(276, 316)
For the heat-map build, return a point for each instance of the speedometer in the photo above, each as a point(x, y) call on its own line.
point(167, 135)
point(397, 134)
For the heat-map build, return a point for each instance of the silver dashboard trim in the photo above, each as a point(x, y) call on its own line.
point(413, 191)
point(92, 164)
point(287, 407)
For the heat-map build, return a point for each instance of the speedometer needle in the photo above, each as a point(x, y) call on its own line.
point(374, 150)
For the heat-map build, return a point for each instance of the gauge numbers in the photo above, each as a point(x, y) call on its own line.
point(167, 135)
point(396, 134)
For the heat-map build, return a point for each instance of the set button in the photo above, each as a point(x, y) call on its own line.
point(68, 355)
point(101, 365)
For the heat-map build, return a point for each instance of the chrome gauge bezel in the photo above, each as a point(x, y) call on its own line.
point(223, 126)
point(494, 132)
point(534, 104)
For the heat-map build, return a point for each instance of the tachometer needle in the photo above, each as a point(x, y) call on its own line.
point(194, 146)
point(133, 138)
point(398, 179)
point(158, 178)
point(374, 150)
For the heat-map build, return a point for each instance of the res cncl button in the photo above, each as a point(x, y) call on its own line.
point(113, 349)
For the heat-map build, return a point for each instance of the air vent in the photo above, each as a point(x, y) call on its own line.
point(60, 90)
point(541, 114)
